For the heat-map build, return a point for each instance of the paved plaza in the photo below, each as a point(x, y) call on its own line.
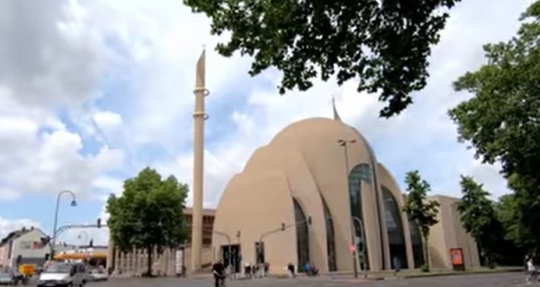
point(515, 279)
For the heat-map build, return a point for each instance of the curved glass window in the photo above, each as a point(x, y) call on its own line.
point(330, 238)
point(394, 227)
point(361, 172)
point(373, 161)
point(417, 244)
point(302, 235)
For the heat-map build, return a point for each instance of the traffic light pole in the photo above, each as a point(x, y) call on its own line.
point(63, 228)
point(282, 228)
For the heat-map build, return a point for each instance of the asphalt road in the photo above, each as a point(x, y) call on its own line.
point(484, 280)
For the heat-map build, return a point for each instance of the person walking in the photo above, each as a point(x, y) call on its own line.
point(219, 274)
point(290, 267)
point(531, 270)
point(397, 265)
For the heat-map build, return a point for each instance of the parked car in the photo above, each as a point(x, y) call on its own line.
point(8, 278)
point(98, 275)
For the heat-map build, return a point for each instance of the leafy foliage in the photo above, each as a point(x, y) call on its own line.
point(507, 212)
point(479, 219)
point(476, 209)
point(148, 214)
point(384, 44)
point(419, 209)
point(502, 120)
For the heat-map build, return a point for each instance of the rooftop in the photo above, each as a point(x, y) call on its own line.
point(206, 211)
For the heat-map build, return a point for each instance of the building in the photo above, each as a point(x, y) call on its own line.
point(208, 224)
point(325, 172)
point(170, 261)
point(24, 246)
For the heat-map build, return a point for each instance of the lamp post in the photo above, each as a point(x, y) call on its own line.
point(73, 203)
point(344, 144)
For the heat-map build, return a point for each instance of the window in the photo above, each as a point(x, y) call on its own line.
point(330, 238)
point(394, 228)
point(302, 235)
point(25, 245)
point(361, 172)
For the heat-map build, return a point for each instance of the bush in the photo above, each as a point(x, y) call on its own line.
point(424, 268)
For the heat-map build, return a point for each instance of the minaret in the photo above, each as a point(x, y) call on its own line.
point(336, 115)
point(199, 116)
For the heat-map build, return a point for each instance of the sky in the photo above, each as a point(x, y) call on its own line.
point(91, 92)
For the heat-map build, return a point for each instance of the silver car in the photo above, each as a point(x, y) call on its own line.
point(7, 278)
point(61, 274)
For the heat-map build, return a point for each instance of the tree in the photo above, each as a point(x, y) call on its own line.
point(502, 119)
point(419, 209)
point(479, 219)
point(507, 212)
point(148, 214)
point(384, 44)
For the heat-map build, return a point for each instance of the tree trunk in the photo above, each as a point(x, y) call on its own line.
point(149, 251)
point(426, 253)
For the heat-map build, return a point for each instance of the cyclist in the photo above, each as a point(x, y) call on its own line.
point(219, 274)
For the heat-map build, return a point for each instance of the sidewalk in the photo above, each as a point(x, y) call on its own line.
point(389, 275)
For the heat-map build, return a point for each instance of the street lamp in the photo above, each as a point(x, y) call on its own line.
point(73, 204)
point(344, 144)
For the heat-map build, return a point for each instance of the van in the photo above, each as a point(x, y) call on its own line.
point(62, 274)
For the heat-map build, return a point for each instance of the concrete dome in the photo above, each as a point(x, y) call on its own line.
point(305, 171)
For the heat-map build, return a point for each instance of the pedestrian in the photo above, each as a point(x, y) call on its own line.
point(219, 274)
point(307, 269)
point(397, 265)
point(290, 267)
point(531, 270)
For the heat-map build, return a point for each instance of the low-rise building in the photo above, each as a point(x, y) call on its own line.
point(170, 262)
point(24, 246)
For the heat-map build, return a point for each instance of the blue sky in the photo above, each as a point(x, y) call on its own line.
point(102, 89)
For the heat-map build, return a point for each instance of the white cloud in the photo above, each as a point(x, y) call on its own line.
point(107, 120)
point(9, 225)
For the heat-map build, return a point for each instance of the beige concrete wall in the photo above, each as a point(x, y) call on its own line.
point(387, 180)
point(449, 233)
point(267, 204)
point(317, 139)
point(303, 188)
point(371, 226)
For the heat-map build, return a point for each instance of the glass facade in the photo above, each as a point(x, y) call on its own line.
point(359, 173)
point(330, 238)
point(417, 244)
point(394, 227)
point(373, 161)
point(302, 235)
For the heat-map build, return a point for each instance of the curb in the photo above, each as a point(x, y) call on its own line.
point(463, 273)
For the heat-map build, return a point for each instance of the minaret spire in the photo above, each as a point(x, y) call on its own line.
point(199, 116)
point(334, 109)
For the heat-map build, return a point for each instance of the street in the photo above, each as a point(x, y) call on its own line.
point(516, 279)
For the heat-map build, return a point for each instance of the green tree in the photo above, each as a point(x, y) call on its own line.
point(507, 212)
point(420, 209)
point(148, 214)
point(479, 219)
point(384, 44)
point(502, 119)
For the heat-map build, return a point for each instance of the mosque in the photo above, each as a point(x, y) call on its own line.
point(316, 193)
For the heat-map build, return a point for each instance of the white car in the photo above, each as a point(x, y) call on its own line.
point(98, 275)
point(63, 274)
